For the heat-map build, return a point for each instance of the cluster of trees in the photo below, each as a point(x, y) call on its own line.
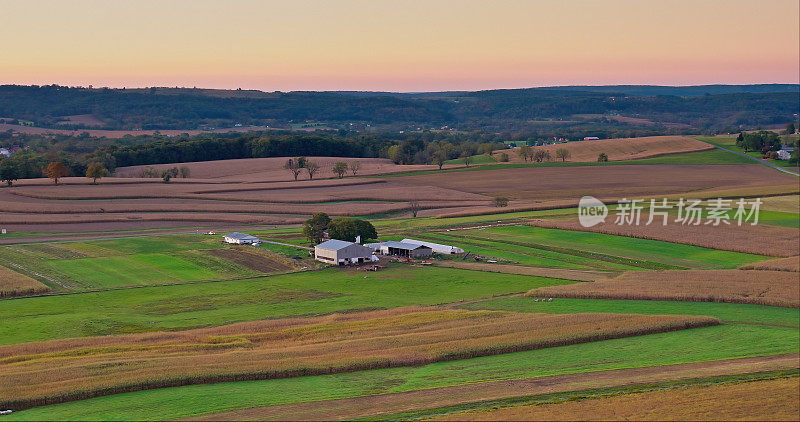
point(540, 155)
point(763, 141)
point(341, 228)
point(13, 169)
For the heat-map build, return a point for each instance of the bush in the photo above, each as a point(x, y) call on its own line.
point(504, 158)
point(500, 201)
point(602, 158)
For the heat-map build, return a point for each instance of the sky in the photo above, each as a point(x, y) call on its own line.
point(397, 45)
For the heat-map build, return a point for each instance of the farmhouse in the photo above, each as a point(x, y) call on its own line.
point(240, 238)
point(408, 250)
point(341, 252)
point(784, 154)
point(436, 247)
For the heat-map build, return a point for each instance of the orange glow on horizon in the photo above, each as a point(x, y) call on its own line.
point(398, 45)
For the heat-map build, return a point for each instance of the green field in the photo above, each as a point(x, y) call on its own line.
point(695, 345)
point(726, 312)
point(592, 247)
point(476, 159)
point(729, 142)
point(184, 306)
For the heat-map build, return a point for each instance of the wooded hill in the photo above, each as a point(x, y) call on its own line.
point(701, 107)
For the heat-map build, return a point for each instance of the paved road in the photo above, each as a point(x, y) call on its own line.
point(764, 162)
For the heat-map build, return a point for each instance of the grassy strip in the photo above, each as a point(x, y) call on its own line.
point(726, 312)
point(185, 306)
point(553, 398)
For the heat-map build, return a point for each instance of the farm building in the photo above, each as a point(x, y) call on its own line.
point(341, 252)
point(240, 238)
point(784, 154)
point(436, 247)
point(408, 250)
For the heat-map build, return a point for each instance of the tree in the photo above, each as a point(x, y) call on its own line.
point(563, 154)
point(312, 168)
point(366, 230)
point(525, 152)
point(504, 157)
point(348, 229)
point(500, 201)
point(340, 168)
point(293, 166)
point(95, 171)
point(343, 228)
point(166, 176)
point(8, 171)
point(56, 170)
point(542, 155)
point(790, 129)
point(184, 171)
point(314, 228)
point(395, 154)
point(355, 166)
point(466, 158)
point(602, 157)
point(414, 207)
point(439, 158)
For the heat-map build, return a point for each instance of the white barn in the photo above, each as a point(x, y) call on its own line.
point(438, 248)
point(340, 252)
point(240, 238)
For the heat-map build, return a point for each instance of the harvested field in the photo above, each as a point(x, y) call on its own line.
point(770, 400)
point(563, 273)
point(271, 169)
point(13, 283)
point(608, 183)
point(619, 149)
point(258, 260)
point(373, 406)
point(784, 203)
point(763, 240)
point(791, 263)
point(772, 288)
point(72, 369)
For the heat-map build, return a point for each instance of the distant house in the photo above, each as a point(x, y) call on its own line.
point(591, 138)
point(408, 250)
point(240, 238)
point(784, 154)
point(436, 247)
point(4, 152)
point(340, 252)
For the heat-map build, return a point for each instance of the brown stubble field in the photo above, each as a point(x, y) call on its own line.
point(71, 369)
point(769, 400)
point(13, 283)
point(771, 288)
point(618, 149)
point(241, 197)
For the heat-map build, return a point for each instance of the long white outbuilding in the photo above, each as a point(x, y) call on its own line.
point(437, 247)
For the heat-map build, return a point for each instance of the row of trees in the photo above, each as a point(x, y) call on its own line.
point(763, 141)
point(9, 171)
point(299, 164)
point(539, 155)
point(341, 228)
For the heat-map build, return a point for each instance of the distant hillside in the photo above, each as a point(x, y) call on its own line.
point(699, 107)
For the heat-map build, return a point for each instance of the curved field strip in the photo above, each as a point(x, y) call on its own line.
point(618, 149)
point(762, 239)
point(773, 288)
point(456, 402)
point(738, 313)
point(771, 400)
point(44, 373)
point(700, 345)
point(13, 283)
point(791, 263)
